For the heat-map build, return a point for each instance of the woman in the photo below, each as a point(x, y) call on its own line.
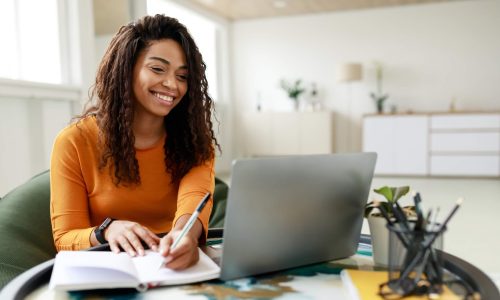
point(140, 158)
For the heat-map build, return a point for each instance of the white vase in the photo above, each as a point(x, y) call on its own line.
point(380, 240)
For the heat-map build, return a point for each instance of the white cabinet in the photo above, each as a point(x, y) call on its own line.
point(466, 121)
point(458, 144)
point(465, 165)
point(287, 133)
point(465, 144)
point(401, 143)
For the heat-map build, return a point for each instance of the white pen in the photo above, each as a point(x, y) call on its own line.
point(190, 222)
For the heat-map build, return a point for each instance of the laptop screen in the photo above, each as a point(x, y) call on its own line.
point(289, 211)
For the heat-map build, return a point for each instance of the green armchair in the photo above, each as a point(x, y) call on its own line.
point(26, 233)
point(25, 227)
point(219, 209)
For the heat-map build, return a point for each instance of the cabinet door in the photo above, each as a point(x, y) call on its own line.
point(465, 121)
point(284, 133)
point(401, 143)
point(411, 145)
point(465, 165)
point(465, 145)
point(465, 142)
point(256, 134)
point(377, 137)
point(285, 130)
point(316, 133)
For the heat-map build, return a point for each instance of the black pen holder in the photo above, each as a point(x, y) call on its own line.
point(415, 267)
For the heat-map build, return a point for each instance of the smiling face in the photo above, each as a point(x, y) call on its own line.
point(160, 78)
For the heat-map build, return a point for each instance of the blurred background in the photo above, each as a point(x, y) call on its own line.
point(416, 81)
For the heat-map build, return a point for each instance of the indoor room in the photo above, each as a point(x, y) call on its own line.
point(415, 81)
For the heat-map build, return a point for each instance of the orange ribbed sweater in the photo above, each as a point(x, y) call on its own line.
point(82, 196)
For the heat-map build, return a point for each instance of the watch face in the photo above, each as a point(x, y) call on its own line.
point(99, 232)
point(105, 224)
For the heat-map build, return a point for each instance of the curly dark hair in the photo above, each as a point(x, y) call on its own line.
point(190, 138)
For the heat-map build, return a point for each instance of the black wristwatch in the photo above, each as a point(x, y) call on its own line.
point(99, 231)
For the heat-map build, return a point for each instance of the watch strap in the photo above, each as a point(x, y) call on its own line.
point(99, 231)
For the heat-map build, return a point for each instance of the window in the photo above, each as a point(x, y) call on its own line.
point(203, 31)
point(30, 49)
point(35, 98)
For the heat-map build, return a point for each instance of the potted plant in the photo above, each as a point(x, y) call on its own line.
point(377, 223)
point(293, 91)
point(379, 97)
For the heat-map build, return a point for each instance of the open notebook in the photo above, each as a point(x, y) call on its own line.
point(83, 270)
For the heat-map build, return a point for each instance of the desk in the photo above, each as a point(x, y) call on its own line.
point(318, 281)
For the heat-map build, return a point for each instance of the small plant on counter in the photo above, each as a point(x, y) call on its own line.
point(392, 195)
point(293, 90)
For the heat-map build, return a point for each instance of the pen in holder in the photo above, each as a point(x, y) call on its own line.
point(415, 265)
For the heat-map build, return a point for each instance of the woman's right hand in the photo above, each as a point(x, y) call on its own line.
point(128, 236)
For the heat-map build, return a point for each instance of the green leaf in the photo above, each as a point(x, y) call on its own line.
point(386, 192)
point(294, 89)
point(392, 194)
point(399, 192)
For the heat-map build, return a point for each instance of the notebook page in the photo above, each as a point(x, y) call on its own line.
point(92, 269)
point(147, 268)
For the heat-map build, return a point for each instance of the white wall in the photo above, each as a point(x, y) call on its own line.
point(31, 115)
point(431, 53)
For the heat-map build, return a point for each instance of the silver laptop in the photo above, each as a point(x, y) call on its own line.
point(284, 212)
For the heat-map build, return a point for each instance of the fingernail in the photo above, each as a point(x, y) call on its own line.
point(154, 247)
point(141, 252)
point(132, 253)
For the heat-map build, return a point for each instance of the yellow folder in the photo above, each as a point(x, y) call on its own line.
point(364, 285)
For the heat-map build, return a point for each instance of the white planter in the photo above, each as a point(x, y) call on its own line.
point(380, 240)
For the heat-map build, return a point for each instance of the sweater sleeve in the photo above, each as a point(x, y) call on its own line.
point(69, 206)
point(193, 186)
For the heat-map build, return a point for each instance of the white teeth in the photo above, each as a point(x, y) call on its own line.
point(164, 97)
